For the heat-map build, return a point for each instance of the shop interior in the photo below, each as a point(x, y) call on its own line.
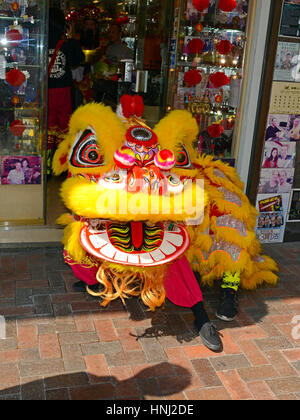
point(145, 28)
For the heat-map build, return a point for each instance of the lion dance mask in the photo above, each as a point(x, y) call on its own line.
point(142, 199)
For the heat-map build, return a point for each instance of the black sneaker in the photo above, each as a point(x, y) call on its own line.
point(210, 337)
point(228, 306)
point(80, 286)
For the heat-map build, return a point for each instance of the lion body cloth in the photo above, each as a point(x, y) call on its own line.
point(140, 199)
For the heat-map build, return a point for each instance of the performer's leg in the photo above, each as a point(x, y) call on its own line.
point(183, 289)
point(228, 305)
point(86, 275)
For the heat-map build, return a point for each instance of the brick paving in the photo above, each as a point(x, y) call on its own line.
point(62, 345)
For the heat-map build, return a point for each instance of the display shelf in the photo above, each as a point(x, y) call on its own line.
point(204, 45)
point(23, 64)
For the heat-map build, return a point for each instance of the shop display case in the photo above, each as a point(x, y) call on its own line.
point(23, 64)
point(207, 56)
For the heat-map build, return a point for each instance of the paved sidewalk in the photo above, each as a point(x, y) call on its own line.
point(63, 345)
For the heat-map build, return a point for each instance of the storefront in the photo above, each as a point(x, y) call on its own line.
point(213, 58)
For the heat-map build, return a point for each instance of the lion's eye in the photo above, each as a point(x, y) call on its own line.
point(183, 160)
point(85, 152)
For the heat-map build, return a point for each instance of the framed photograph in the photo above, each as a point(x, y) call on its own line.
point(290, 17)
point(294, 206)
point(276, 180)
point(21, 170)
point(279, 155)
point(283, 128)
point(287, 62)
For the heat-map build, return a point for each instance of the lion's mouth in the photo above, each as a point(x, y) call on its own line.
point(134, 243)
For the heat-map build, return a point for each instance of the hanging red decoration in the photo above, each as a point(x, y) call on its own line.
point(218, 99)
point(192, 77)
point(14, 37)
point(215, 130)
point(17, 127)
point(122, 20)
point(201, 5)
point(224, 47)
point(15, 100)
point(227, 5)
point(15, 6)
point(195, 46)
point(199, 28)
point(15, 77)
point(219, 79)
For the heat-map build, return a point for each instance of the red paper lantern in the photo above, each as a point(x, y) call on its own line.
point(219, 79)
point(227, 5)
point(15, 77)
point(224, 47)
point(192, 77)
point(201, 5)
point(14, 37)
point(17, 127)
point(122, 20)
point(215, 130)
point(195, 46)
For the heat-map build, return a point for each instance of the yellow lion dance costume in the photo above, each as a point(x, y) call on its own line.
point(146, 210)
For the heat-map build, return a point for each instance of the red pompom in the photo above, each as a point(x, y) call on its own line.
point(195, 46)
point(219, 79)
point(15, 77)
point(227, 5)
point(192, 77)
point(17, 127)
point(201, 5)
point(132, 105)
point(224, 47)
point(215, 130)
point(14, 37)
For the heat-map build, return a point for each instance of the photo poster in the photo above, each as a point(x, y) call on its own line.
point(282, 128)
point(276, 180)
point(279, 155)
point(294, 206)
point(287, 65)
point(290, 18)
point(21, 170)
point(271, 220)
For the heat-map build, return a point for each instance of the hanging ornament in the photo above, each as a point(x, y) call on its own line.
point(15, 100)
point(224, 47)
point(192, 77)
point(215, 130)
point(14, 37)
point(122, 20)
point(219, 79)
point(15, 6)
point(199, 27)
point(17, 127)
point(15, 77)
point(201, 5)
point(195, 46)
point(227, 5)
point(218, 99)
